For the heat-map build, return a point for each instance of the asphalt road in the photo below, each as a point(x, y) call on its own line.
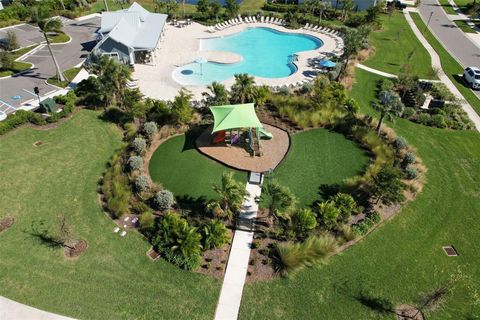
point(68, 55)
point(466, 52)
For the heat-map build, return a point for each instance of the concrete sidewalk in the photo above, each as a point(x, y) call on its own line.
point(12, 310)
point(236, 273)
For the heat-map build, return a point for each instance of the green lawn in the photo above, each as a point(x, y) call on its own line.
point(179, 167)
point(463, 25)
point(319, 158)
point(113, 279)
point(59, 38)
point(451, 67)
point(394, 44)
point(69, 74)
point(404, 257)
point(462, 3)
point(18, 66)
point(447, 7)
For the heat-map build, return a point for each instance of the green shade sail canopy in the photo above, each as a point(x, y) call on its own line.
point(235, 116)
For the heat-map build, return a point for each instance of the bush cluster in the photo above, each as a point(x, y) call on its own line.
point(139, 145)
point(150, 129)
point(361, 228)
point(135, 163)
point(19, 118)
point(141, 183)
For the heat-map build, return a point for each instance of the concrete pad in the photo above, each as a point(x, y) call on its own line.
point(12, 310)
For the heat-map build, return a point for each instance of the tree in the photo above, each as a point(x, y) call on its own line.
point(122, 3)
point(243, 90)
point(65, 232)
point(353, 40)
point(218, 95)
point(302, 221)
point(387, 186)
point(320, 6)
point(231, 194)
point(52, 25)
point(390, 106)
point(10, 42)
point(232, 8)
point(203, 8)
point(6, 60)
point(406, 79)
point(182, 112)
point(169, 7)
point(261, 94)
point(347, 5)
point(278, 198)
point(373, 13)
point(105, 5)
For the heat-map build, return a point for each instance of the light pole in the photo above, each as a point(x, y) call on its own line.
point(428, 22)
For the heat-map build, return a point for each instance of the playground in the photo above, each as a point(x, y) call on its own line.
point(240, 141)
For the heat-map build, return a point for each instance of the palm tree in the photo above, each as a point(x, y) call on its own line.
point(105, 4)
point(243, 89)
point(322, 6)
point(231, 193)
point(390, 106)
point(218, 95)
point(52, 25)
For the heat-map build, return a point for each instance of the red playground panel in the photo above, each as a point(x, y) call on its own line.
point(219, 137)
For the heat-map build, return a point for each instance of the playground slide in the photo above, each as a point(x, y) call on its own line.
point(265, 134)
point(219, 137)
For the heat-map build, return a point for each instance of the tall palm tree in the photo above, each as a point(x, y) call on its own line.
point(322, 6)
point(105, 4)
point(390, 106)
point(218, 94)
point(243, 90)
point(52, 25)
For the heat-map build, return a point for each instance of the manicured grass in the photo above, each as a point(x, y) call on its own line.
point(447, 7)
point(319, 158)
point(69, 74)
point(463, 3)
point(251, 6)
point(394, 44)
point(452, 68)
point(18, 66)
point(147, 4)
point(404, 257)
point(179, 167)
point(463, 25)
point(59, 38)
point(113, 279)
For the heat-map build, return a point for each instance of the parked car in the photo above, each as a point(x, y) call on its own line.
point(472, 77)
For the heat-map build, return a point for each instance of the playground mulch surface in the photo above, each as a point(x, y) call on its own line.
point(237, 156)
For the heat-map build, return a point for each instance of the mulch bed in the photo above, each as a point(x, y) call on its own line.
point(38, 143)
point(214, 261)
point(260, 265)
point(407, 312)
point(76, 249)
point(6, 223)
point(272, 118)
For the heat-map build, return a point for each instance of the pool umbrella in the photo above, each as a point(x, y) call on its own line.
point(201, 61)
point(327, 64)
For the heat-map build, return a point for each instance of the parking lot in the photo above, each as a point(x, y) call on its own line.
point(18, 90)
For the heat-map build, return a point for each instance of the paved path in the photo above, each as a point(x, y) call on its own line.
point(443, 77)
point(234, 280)
point(460, 46)
point(385, 74)
point(12, 310)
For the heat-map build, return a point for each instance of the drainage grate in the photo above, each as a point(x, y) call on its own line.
point(450, 251)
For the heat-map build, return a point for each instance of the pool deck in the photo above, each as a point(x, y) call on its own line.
point(181, 46)
point(237, 157)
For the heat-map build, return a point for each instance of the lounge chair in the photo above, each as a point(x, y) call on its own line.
point(306, 26)
point(123, 234)
point(249, 19)
point(262, 19)
point(116, 229)
point(282, 22)
point(277, 21)
point(254, 19)
point(241, 19)
point(274, 20)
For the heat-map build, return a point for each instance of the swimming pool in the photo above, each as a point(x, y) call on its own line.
point(266, 53)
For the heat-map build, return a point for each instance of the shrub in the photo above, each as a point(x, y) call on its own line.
point(130, 130)
point(347, 232)
point(278, 198)
point(302, 221)
point(215, 234)
point(408, 113)
point(6, 60)
point(135, 163)
point(164, 199)
point(150, 129)
point(411, 173)
point(387, 186)
point(424, 118)
point(146, 221)
point(400, 143)
point(115, 188)
point(346, 205)
point(291, 257)
point(328, 213)
point(139, 145)
point(409, 158)
point(141, 183)
point(178, 242)
point(20, 117)
point(362, 227)
point(438, 121)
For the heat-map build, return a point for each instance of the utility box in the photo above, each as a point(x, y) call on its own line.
point(47, 106)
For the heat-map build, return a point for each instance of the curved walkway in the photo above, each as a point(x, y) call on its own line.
point(436, 63)
point(12, 310)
